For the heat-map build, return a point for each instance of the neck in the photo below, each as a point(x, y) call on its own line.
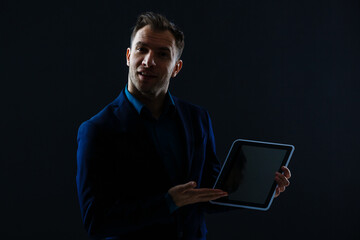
point(154, 102)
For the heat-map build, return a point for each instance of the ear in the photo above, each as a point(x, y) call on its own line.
point(128, 50)
point(177, 68)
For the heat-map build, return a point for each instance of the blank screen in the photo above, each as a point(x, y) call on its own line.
point(252, 173)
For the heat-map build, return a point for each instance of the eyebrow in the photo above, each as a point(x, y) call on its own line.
point(146, 45)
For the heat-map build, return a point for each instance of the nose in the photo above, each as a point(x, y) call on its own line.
point(149, 60)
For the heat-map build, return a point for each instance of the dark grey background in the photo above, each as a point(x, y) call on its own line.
point(283, 71)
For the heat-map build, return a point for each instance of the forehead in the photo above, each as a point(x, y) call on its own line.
point(156, 39)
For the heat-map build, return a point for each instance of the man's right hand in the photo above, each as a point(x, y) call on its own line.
point(185, 194)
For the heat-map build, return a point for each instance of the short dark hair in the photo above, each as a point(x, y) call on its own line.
point(159, 22)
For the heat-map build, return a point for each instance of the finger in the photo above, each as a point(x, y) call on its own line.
point(281, 180)
point(277, 192)
point(281, 189)
point(206, 190)
point(286, 171)
point(196, 193)
point(210, 197)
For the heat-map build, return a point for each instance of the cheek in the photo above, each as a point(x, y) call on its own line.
point(170, 70)
point(134, 66)
point(134, 61)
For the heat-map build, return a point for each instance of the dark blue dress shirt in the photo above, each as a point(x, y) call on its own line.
point(166, 135)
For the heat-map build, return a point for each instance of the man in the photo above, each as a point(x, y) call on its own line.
point(147, 161)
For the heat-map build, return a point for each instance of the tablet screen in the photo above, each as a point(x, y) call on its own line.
point(249, 171)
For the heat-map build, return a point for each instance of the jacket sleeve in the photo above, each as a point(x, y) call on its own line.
point(212, 168)
point(103, 212)
point(212, 165)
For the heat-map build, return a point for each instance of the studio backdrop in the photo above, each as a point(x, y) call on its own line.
point(279, 71)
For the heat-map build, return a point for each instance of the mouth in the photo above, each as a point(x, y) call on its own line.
point(146, 74)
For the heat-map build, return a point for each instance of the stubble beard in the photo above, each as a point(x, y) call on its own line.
point(146, 91)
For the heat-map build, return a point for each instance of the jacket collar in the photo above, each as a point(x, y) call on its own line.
point(126, 113)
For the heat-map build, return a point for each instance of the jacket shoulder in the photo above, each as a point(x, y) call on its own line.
point(117, 113)
point(104, 117)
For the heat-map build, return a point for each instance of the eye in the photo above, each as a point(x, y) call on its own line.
point(164, 54)
point(141, 49)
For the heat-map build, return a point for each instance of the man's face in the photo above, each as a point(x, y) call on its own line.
point(152, 61)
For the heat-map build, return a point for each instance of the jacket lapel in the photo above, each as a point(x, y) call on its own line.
point(189, 135)
point(129, 119)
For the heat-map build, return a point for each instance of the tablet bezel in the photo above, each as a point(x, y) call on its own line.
point(249, 205)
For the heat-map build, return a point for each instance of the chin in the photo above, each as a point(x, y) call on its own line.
point(145, 89)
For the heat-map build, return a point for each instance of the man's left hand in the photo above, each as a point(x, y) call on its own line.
point(282, 180)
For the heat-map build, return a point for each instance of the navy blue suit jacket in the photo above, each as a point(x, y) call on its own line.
point(122, 181)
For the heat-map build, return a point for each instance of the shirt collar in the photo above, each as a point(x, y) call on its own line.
point(169, 101)
point(136, 103)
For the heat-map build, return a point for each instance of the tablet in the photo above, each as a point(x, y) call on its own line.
point(248, 173)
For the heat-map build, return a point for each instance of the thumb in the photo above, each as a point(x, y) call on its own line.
point(187, 186)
